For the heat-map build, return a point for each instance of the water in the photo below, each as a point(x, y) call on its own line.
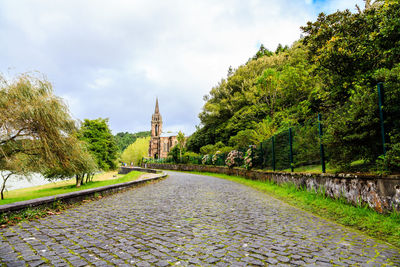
point(17, 181)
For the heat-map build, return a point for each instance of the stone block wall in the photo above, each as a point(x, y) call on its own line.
point(380, 193)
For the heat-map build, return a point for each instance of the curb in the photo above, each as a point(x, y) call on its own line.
point(74, 196)
point(125, 170)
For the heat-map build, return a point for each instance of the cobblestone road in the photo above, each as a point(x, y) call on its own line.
point(188, 220)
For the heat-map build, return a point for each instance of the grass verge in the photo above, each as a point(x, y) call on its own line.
point(62, 187)
point(385, 227)
point(312, 169)
point(30, 214)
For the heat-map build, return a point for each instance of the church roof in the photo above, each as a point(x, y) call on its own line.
point(157, 109)
point(168, 134)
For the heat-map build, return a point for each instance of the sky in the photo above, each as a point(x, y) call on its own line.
point(111, 59)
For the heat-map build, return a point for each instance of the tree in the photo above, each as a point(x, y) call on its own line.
point(5, 175)
point(212, 149)
point(36, 129)
point(352, 53)
point(181, 143)
point(100, 141)
point(280, 49)
point(199, 138)
point(262, 52)
point(33, 121)
point(81, 163)
point(14, 167)
point(136, 151)
point(243, 139)
point(175, 154)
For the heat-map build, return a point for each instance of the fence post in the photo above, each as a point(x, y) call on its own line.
point(380, 95)
point(273, 153)
point(321, 146)
point(252, 155)
point(291, 149)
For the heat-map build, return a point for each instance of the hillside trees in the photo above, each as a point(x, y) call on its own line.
point(271, 90)
point(136, 151)
point(101, 143)
point(124, 139)
point(333, 70)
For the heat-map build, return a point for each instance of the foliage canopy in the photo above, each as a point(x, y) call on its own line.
point(333, 70)
point(136, 151)
point(101, 143)
point(124, 139)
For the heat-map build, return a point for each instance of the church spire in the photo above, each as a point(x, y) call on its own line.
point(157, 110)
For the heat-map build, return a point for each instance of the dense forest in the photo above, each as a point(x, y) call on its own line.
point(334, 70)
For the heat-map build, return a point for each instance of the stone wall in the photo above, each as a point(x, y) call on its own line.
point(380, 193)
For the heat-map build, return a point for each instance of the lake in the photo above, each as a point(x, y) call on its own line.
point(17, 182)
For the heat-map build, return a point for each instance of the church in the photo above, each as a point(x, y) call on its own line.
point(160, 143)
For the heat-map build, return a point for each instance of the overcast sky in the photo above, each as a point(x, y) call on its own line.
point(111, 59)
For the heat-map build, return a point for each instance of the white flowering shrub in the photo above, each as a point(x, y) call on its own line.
point(205, 159)
point(233, 158)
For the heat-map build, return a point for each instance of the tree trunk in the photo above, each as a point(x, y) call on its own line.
point(5, 178)
point(2, 191)
point(78, 180)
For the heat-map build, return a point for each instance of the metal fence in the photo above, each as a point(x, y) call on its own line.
point(286, 150)
point(289, 149)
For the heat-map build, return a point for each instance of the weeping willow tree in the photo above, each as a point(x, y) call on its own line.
point(36, 125)
point(80, 164)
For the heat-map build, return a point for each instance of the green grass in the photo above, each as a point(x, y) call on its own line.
point(62, 187)
point(313, 169)
point(382, 226)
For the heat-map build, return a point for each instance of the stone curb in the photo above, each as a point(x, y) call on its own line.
point(127, 169)
point(74, 196)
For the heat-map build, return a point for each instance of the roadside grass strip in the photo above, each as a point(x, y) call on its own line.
point(385, 227)
point(62, 187)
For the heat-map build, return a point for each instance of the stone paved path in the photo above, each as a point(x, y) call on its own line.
point(188, 220)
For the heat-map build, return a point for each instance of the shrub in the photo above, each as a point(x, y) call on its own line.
point(233, 158)
point(390, 163)
point(190, 157)
point(215, 157)
point(248, 158)
point(205, 159)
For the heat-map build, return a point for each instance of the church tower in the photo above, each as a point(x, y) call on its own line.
point(156, 130)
